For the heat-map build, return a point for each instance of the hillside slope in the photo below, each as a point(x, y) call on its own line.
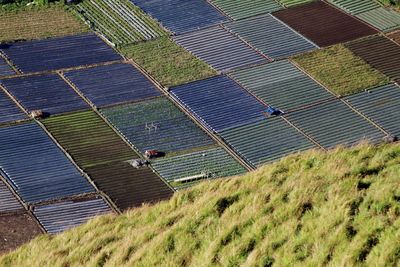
point(340, 208)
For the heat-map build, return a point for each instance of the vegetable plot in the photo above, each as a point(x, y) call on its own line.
point(119, 20)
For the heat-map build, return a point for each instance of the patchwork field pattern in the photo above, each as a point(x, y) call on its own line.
point(182, 16)
point(382, 105)
point(324, 24)
point(112, 84)
point(270, 36)
point(119, 20)
point(49, 174)
point(333, 123)
point(219, 48)
point(246, 8)
point(88, 139)
point(8, 110)
point(169, 63)
point(59, 53)
point(9, 203)
point(61, 216)
point(5, 69)
point(185, 170)
point(226, 87)
point(127, 186)
point(371, 12)
point(157, 124)
point(266, 140)
point(340, 70)
point(219, 102)
point(48, 93)
point(281, 85)
point(380, 52)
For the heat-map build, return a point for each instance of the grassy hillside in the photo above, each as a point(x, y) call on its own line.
point(336, 209)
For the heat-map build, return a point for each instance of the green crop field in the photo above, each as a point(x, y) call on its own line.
point(119, 20)
point(167, 62)
point(340, 70)
point(38, 23)
point(340, 208)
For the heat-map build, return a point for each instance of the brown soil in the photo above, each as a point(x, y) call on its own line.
point(15, 230)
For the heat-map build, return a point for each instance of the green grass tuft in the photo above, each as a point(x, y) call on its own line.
point(167, 62)
point(312, 209)
point(340, 70)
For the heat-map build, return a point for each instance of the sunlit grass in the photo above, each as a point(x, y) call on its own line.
point(340, 208)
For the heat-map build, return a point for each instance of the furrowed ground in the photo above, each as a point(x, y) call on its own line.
point(340, 208)
point(38, 23)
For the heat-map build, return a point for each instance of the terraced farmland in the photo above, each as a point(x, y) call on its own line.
point(100, 122)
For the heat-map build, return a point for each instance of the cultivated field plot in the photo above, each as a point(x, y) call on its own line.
point(5, 69)
point(340, 70)
point(381, 105)
point(59, 53)
point(334, 123)
point(266, 140)
point(380, 52)
point(157, 124)
point(15, 230)
point(9, 203)
point(395, 36)
point(39, 23)
point(382, 18)
point(9, 112)
point(119, 20)
point(281, 85)
point(291, 3)
point(182, 16)
point(371, 12)
point(104, 156)
point(169, 63)
point(88, 139)
point(48, 93)
point(62, 216)
point(219, 48)
point(323, 24)
point(219, 103)
point(270, 36)
point(246, 8)
point(35, 167)
point(112, 84)
point(127, 186)
point(185, 170)
point(355, 7)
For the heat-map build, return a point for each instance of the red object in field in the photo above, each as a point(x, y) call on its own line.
point(151, 153)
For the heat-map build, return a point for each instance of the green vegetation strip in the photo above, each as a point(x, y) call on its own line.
point(167, 62)
point(340, 70)
point(340, 208)
point(247, 8)
point(119, 20)
point(88, 139)
point(38, 23)
point(207, 164)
